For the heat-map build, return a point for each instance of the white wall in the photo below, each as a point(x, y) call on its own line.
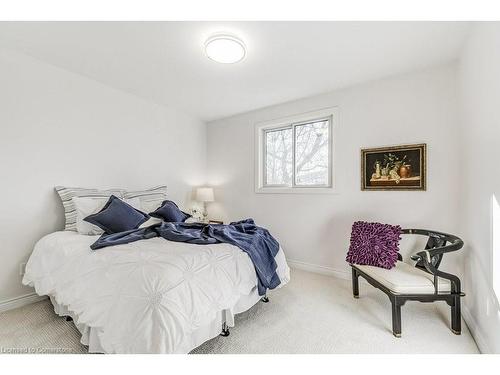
point(315, 229)
point(479, 87)
point(58, 128)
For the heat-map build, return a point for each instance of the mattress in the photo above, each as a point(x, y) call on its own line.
point(151, 296)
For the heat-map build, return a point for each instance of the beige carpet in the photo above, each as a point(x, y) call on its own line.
point(313, 314)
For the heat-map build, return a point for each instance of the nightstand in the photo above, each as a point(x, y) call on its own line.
point(215, 222)
point(210, 221)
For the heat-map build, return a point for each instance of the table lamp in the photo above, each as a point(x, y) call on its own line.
point(205, 194)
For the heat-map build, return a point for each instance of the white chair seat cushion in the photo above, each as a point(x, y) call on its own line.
point(405, 279)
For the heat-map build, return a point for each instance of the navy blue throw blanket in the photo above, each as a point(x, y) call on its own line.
point(257, 242)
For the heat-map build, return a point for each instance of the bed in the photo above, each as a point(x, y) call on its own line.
point(149, 296)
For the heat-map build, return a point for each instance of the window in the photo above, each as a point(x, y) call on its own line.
point(295, 154)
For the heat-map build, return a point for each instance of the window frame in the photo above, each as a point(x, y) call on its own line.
point(262, 128)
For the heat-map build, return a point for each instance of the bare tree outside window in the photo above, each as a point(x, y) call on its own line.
point(279, 157)
point(311, 153)
point(298, 155)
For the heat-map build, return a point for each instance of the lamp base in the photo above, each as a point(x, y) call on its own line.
point(205, 213)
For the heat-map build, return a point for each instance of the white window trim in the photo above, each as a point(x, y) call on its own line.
point(262, 127)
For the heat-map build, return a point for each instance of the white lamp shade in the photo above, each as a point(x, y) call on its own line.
point(205, 194)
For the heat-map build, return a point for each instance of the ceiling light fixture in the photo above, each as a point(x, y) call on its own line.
point(225, 49)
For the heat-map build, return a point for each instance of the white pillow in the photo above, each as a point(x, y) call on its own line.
point(146, 207)
point(85, 206)
point(151, 221)
point(149, 201)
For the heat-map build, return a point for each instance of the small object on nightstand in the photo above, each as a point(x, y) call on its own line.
point(215, 222)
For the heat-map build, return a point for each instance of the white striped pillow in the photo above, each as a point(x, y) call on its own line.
point(150, 199)
point(67, 193)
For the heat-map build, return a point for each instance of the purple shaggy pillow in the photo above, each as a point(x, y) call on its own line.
point(374, 244)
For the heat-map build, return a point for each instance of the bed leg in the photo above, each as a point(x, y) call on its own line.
point(69, 318)
point(265, 299)
point(225, 330)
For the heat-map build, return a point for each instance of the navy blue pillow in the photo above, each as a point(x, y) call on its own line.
point(170, 212)
point(117, 216)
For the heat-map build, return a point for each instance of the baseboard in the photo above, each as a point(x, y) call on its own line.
point(323, 270)
point(475, 331)
point(20, 301)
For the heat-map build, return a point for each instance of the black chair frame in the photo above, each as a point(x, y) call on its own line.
point(428, 260)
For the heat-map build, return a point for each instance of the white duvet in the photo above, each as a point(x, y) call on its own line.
point(143, 297)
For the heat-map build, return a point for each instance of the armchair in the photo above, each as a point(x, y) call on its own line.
point(423, 282)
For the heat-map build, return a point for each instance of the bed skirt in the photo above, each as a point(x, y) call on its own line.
point(91, 335)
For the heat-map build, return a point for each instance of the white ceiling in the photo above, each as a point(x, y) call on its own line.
point(164, 61)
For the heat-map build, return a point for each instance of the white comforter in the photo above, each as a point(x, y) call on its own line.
point(143, 297)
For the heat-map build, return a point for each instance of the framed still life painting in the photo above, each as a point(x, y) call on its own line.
point(394, 168)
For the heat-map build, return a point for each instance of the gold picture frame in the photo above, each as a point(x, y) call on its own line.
point(401, 167)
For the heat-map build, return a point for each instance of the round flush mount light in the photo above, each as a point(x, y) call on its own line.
point(225, 49)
